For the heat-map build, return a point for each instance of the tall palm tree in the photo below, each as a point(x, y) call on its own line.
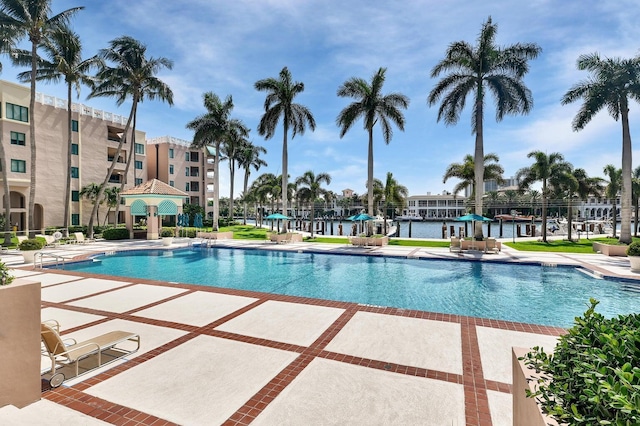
point(465, 172)
point(133, 76)
point(250, 157)
point(544, 168)
point(32, 19)
point(477, 70)
point(211, 129)
point(7, 45)
point(394, 197)
point(612, 83)
point(279, 103)
point(311, 189)
point(233, 143)
point(63, 51)
point(373, 107)
point(611, 192)
point(92, 192)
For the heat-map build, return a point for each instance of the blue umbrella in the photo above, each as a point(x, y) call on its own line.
point(472, 217)
point(276, 216)
point(185, 219)
point(197, 220)
point(179, 220)
point(361, 217)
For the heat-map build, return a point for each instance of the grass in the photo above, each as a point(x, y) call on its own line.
point(562, 246)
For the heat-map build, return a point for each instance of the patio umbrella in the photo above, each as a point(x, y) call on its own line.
point(185, 219)
point(361, 217)
point(472, 217)
point(276, 216)
point(197, 220)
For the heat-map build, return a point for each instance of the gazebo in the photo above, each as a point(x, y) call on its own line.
point(152, 199)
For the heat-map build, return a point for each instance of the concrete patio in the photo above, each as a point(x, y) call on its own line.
point(219, 356)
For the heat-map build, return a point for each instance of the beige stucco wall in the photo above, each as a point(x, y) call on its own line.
point(20, 343)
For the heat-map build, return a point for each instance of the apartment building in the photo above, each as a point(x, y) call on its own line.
point(435, 207)
point(95, 135)
point(173, 161)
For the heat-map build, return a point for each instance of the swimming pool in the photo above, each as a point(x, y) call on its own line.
point(525, 293)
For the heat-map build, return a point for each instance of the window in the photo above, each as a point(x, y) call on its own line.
point(186, 171)
point(75, 195)
point(139, 148)
point(74, 125)
point(17, 112)
point(74, 149)
point(170, 169)
point(194, 157)
point(138, 181)
point(139, 165)
point(186, 185)
point(75, 172)
point(186, 156)
point(172, 183)
point(17, 138)
point(195, 186)
point(170, 152)
point(19, 166)
point(75, 219)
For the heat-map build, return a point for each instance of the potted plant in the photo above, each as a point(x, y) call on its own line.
point(29, 248)
point(633, 253)
point(5, 275)
point(167, 236)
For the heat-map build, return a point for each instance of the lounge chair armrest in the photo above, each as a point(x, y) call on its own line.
point(82, 349)
point(53, 324)
point(71, 341)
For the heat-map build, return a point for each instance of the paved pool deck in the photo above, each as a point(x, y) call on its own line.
point(220, 356)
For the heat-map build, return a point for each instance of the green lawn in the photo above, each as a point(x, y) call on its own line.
point(562, 246)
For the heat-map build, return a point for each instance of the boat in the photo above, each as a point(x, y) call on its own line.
point(378, 226)
point(514, 218)
point(408, 217)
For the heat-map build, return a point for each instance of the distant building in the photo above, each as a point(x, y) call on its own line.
point(492, 185)
point(435, 207)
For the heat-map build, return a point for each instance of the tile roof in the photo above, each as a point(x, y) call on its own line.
point(155, 187)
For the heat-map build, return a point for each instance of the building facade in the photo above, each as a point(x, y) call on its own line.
point(435, 207)
point(174, 162)
point(95, 138)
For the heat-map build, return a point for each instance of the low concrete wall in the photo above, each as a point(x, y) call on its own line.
point(289, 237)
point(20, 343)
point(370, 241)
point(526, 411)
point(478, 245)
point(610, 249)
point(215, 235)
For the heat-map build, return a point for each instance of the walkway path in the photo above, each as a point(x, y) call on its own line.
point(219, 356)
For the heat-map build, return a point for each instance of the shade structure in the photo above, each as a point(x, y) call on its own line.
point(276, 216)
point(361, 217)
point(472, 217)
point(197, 220)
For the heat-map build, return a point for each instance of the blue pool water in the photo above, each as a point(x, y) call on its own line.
point(524, 293)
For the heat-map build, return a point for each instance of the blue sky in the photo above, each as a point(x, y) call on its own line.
point(226, 46)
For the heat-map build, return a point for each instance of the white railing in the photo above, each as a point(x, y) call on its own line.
point(168, 139)
point(81, 109)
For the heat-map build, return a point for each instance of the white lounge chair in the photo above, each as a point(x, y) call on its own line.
point(62, 354)
point(455, 246)
point(491, 246)
point(50, 240)
point(80, 238)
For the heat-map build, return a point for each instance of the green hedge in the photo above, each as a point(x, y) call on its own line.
point(593, 376)
point(115, 234)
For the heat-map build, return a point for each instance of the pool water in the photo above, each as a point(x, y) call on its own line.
point(525, 293)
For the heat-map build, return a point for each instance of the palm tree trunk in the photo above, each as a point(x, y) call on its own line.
point(216, 186)
point(246, 186)
point(569, 220)
point(313, 215)
point(625, 199)
point(232, 174)
point(7, 196)
point(285, 176)
point(132, 151)
point(32, 140)
point(134, 107)
point(370, 174)
point(67, 192)
point(478, 165)
point(544, 210)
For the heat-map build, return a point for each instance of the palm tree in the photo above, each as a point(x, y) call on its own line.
point(544, 168)
point(64, 52)
point(394, 197)
point(612, 82)
point(373, 107)
point(92, 192)
point(279, 103)
point(132, 76)
point(234, 141)
point(211, 129)
point(476, 70)
point(111, 199)
point(32, 19)
point(465, 172)
point(311, 189)
point(250, 157)
point(611, 192)
point(493, 196)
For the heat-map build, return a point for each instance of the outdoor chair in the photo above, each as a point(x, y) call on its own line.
point(62, 354)
point(491, 246)
point(80, 238)
point(455, 245)
point(50, 240)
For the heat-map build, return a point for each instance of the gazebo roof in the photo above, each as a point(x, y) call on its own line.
point(154, 187)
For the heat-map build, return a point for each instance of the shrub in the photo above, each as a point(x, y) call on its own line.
point(5, 275)
point(592, 377)
point(167, 232)
point(32, 244)
point(634, 249)
point(191, 233)
point(115, 234)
